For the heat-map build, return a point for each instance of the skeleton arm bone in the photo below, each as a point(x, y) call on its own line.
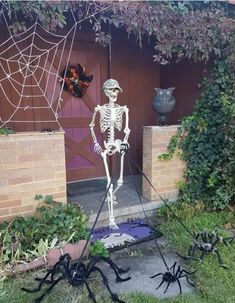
point(97, 148)
point(126, 129)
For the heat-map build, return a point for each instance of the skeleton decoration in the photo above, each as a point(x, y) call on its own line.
point(111, 119)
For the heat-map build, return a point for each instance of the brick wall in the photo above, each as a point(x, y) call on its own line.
point(163, 174)
point(30, 163)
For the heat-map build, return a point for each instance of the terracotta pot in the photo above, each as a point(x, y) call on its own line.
point(74, 250)
point(37, 263)
point(53, 256)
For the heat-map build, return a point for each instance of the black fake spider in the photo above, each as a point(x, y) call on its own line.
point(174, 275)
point(206, 242)
point(47, 130)
point(78, 274)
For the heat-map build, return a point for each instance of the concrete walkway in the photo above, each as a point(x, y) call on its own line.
point(89, 195)
point(145, 261)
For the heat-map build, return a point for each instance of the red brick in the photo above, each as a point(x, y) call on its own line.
point(22, 209)
point(20, 180)
point(28, 158)
point(6, 218)
point(3, 197)
point(10, 203)
point(4, 212)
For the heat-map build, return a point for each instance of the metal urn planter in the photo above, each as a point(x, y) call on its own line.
point(163, 103)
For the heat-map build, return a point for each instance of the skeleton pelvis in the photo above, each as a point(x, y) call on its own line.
point(113, 147)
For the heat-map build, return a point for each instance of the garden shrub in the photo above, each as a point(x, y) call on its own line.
point(206, 139)
point(54, 225)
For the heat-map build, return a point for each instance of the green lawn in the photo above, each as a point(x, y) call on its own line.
point(214, 284)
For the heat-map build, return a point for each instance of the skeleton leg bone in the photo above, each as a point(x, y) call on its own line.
point(110, 199)
point(120, 179)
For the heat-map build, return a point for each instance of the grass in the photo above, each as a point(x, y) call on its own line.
point(214, 284)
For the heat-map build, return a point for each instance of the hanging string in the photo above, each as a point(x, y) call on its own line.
point(163, 200)
point(110, 54)
point(145, 215)
point(94, 224)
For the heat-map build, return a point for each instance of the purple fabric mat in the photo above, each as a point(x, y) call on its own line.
point(129, 233)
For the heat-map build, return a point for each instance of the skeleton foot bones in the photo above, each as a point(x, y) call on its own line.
point(111, 118)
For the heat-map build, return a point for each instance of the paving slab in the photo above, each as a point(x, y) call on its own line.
point(89, 194)
point(147, 264)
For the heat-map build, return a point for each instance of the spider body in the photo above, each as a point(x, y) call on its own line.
point(206, 243)
point(173, 275)
point(78, 274)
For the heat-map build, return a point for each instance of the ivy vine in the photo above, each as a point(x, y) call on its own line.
point(195, 30)
point(206, 139)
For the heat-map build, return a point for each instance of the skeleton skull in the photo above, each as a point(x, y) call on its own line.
point(111, 89)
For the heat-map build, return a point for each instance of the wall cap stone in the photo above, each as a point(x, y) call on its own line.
point(161, 128)
point(33, 134)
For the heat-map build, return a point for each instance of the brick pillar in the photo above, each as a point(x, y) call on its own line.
point(30, 163)
point(163, 174)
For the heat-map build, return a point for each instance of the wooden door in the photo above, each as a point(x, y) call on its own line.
point(76, 114)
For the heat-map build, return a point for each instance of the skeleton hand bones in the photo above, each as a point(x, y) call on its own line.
point(118, 146)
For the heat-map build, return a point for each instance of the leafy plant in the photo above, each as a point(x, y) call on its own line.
point(6, 131)
point(183, 210)
point(171, 148)
point(41, 248)
point(177, 29)
point(55, 224)
point(98, 249)
point(206, 139)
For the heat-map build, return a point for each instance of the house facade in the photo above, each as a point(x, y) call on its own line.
point(138, 76)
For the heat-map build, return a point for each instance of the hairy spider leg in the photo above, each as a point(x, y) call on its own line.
point(212, 237)
point(188, 273)
point(173, 268)
point(55, 270)
point(215, 250)
point(90, 292)
point(178, 281)
point(42, 282)
point(185, 276)
point(168, 284)
point(202, 255)
point(191, 253)
point(47, 291)
point(120, 270)
point(156, 275)
point(192, 249)
point(178, 271)
point(160, 284)
point(106, 283)
point(117, 270)
point(205, 237)
point(215, 242)
point(228, 241)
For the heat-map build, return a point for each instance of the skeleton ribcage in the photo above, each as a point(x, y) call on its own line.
point(111, 117)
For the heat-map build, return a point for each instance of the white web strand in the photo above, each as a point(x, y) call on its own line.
point(27, 54)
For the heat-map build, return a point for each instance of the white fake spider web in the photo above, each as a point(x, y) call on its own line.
point(30, 67)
